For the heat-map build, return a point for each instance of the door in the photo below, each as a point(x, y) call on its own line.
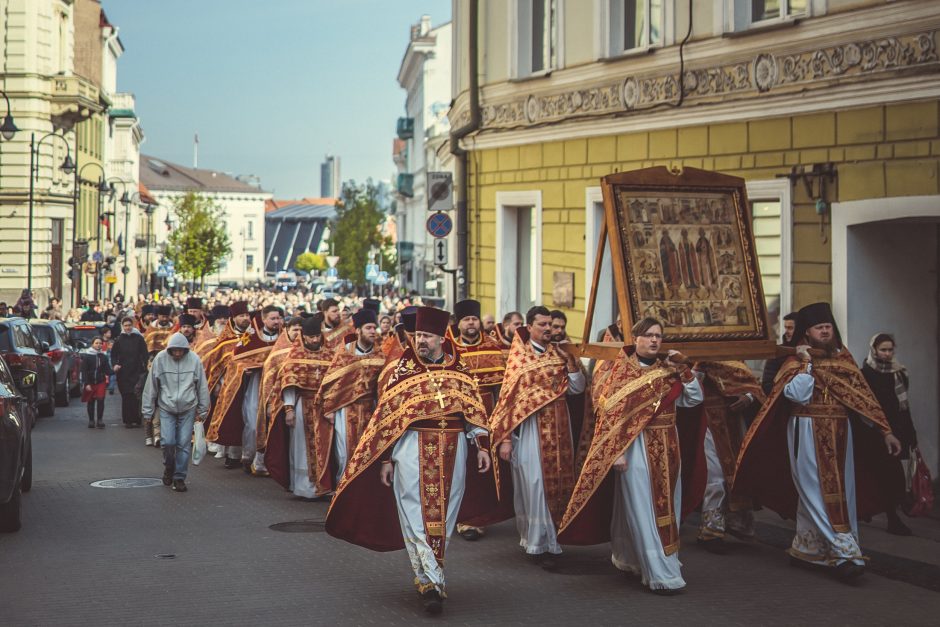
point(58, 235)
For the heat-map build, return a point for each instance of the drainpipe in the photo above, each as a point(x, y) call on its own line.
point(462, 174)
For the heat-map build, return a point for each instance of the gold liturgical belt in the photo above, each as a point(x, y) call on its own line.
point(821, 410)
point(662, 421)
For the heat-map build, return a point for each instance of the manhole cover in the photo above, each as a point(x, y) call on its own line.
point(300, 526)
point(128, 482)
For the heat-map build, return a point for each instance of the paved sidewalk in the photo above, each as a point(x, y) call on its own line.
point(88, 556)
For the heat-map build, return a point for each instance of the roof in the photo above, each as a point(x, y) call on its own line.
point(272, 204)
point(162, 175)
point(294, 229)
point(145, 195)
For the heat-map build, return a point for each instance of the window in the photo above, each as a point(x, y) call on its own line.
point(771, 219)
point(250, 230)
point(249, 261)
point(518, 250)
point(634, 25)
point(536, 37)
point(748, 13)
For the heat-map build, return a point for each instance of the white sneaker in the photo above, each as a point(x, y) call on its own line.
point(156, 442)
point(148, 442)
point(220, 454)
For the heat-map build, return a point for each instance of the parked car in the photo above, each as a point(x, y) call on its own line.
point(82, 333)
point(16, 450)
point(23, 351)
point(66, 360)
point(285, 279)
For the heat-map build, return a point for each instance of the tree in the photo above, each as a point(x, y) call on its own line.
point(200, 244)
point(357, 229)
point(308, 261)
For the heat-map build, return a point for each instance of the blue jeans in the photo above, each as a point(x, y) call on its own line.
point(176, 435)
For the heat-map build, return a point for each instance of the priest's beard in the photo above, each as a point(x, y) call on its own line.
point(312, 346)
point(829, 346)
point(470, 335)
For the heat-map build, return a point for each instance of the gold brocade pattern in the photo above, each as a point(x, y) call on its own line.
point(411, 396)
point(436, 457)
point(270, 401)
point(350, 378)
point(662, 456)
point(620, 419)
point(157, 337)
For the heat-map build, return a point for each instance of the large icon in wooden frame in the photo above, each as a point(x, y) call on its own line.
point(683, 252)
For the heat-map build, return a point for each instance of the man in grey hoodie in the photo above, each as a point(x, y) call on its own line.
point(176, 386)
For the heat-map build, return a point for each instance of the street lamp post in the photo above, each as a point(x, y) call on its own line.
point(125, 201)
point(149, 209)
point(102, 189)
point(68, 166)
point(8, 128)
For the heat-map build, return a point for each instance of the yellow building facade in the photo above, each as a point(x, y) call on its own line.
point(829, 111)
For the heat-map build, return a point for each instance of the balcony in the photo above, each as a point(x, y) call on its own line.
point(406, 185)
point(406, 128)
point(74, 99)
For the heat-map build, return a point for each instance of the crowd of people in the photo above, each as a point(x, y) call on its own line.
point(415, 422)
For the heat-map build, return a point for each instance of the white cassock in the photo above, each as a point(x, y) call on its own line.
point(406, 486)
point(339, 433)
point(815, 538)
point(537, 533)
point(635, 544)
point(250, 414)
point(300, 483)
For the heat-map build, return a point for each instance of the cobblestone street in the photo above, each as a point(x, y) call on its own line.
point(149, 556)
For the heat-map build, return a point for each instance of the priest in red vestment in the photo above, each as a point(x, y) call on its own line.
point(423, 462)
point(818, 449)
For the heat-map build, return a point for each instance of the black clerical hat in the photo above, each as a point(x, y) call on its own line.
point(432, 320)
point(364, 317)
point(466, 308)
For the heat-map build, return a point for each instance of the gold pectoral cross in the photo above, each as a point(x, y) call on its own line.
point(439, 396)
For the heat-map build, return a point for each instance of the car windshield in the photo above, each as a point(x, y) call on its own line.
point(84, 333)
point(44, 333)
point(5, 342)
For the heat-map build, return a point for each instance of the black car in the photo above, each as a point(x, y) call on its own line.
point(66, 360)
point(23, 351)
point(82, 333)
point(16, 450)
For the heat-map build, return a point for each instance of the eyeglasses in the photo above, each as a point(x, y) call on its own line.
point(653, 336)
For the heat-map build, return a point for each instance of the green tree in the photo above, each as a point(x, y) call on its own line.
point(308, 261)
point(200, 243)
point(356, 229)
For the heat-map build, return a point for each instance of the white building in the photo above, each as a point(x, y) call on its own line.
point(243, 205)
point(425, 74)
point(123, 141)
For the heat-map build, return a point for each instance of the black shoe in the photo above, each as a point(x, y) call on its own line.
point(895, 526)
point(848, 571)
point(128, 425)
point(432, 601)
point(167, 476)
point(471, 534)
point(179, 486)
point(231, 464)
point(100, 425)
point(246, 466)
point(91, 424)
point(716, 546)
point(666, 592)
point(545, 561)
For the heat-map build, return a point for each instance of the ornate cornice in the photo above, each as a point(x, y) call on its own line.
point(748, 77)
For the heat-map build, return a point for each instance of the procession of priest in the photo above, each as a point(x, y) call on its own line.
point(447, 422)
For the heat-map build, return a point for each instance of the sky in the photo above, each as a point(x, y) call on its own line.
point(269, 86)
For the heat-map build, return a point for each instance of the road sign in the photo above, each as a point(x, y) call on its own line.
point(97, 256)
point(440, 252)
point(382, 279)
point(332, 260)
point(372, 271)
point(440, 191)
point(440, 225)
point(162, 273)
point(332, 275)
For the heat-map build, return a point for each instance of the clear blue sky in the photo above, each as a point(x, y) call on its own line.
point(270, 86)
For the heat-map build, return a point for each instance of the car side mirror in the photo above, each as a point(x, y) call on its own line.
point(43, 346)
point(26, 380)
point(81, 344)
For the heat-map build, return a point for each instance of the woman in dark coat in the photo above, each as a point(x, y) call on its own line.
point(129, 360)
point(889, 381)
point(95, 373)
